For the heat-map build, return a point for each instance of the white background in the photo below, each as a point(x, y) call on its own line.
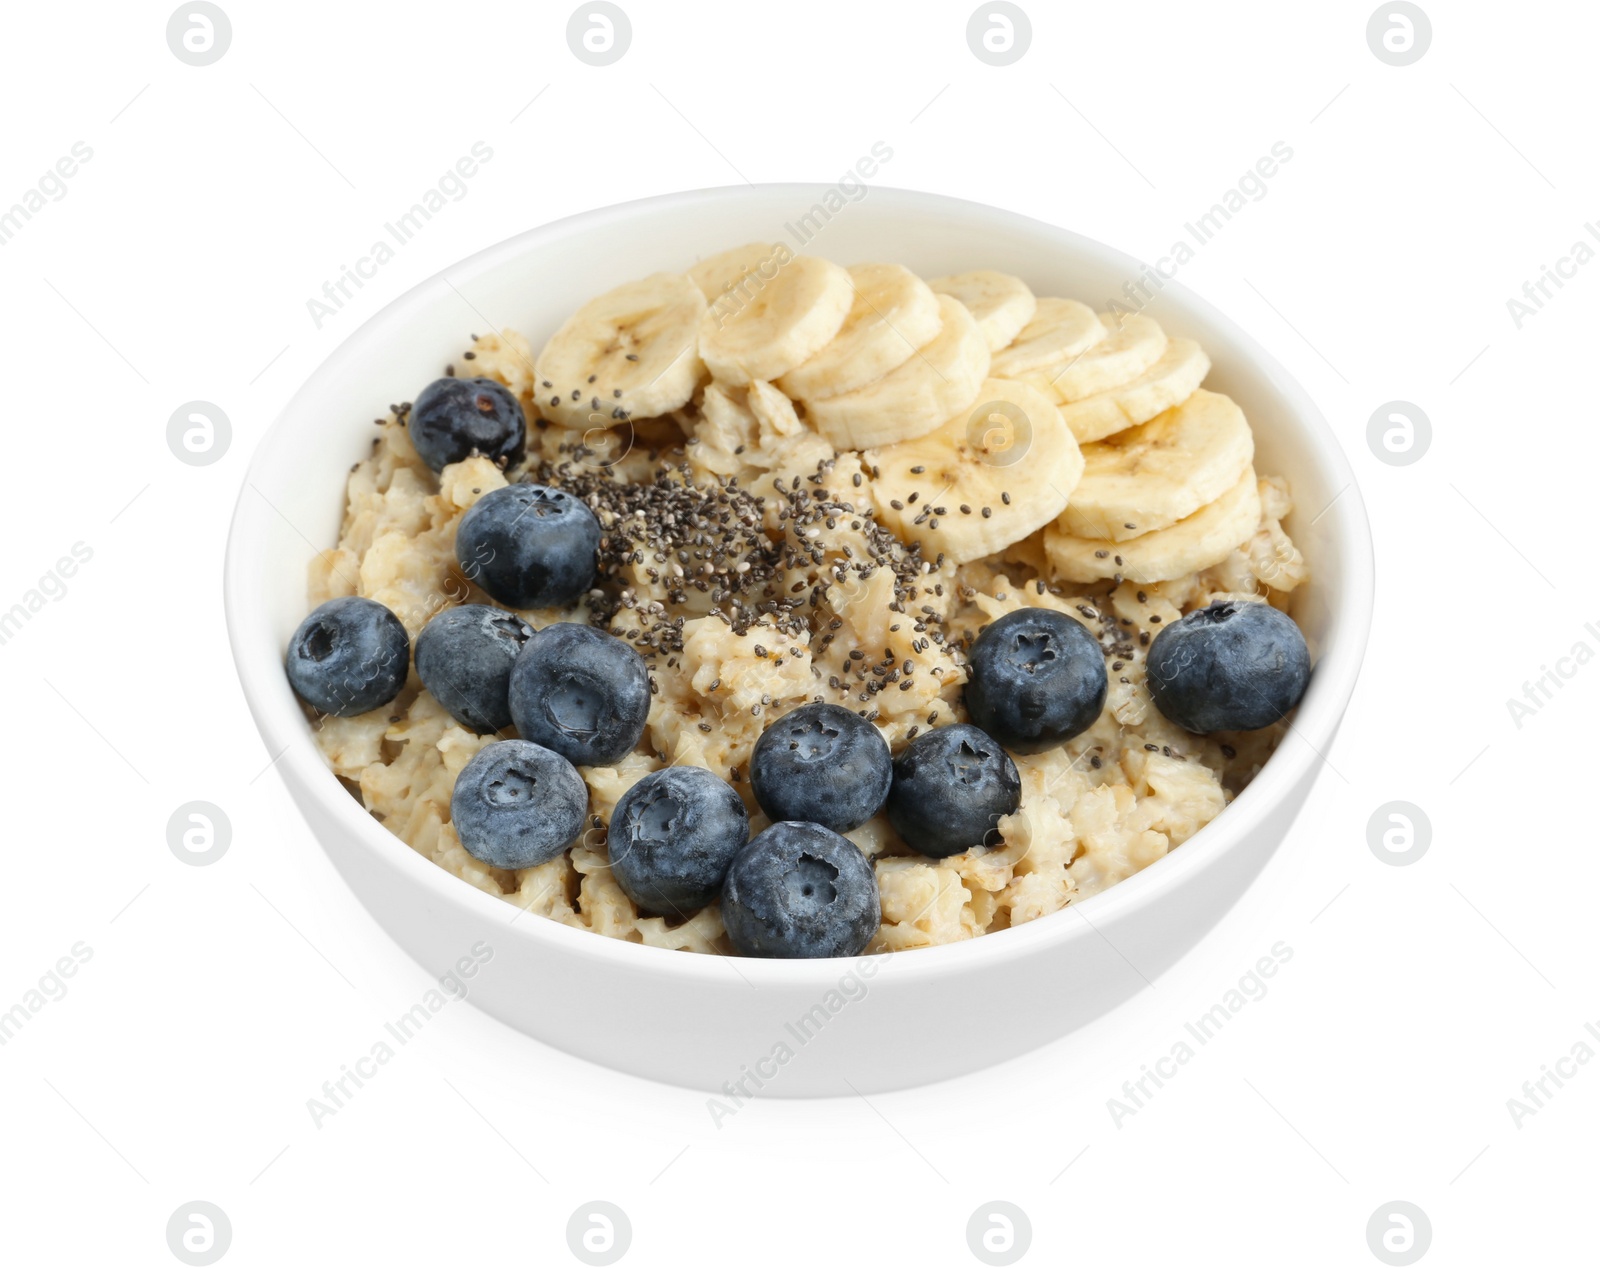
point(218, 999)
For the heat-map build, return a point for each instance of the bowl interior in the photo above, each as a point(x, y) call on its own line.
point(292, 503)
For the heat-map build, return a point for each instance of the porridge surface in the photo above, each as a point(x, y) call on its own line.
point(750, 563)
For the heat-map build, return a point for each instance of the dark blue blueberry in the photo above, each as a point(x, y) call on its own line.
point(1037, 679)
point(824, 764)
point(452, 419)
point(349, 656)
point(672, 837)
point(529, 546)
point(951, 788)
point(464, 658)
point(581, 692)
point(517, 805)
point(1228, 667)
point(800, 891)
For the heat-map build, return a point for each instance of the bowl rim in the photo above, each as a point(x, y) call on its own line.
point(284, 730)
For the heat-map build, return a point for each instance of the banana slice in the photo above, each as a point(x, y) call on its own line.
point(1132, 345)
point(1060, 331)
point(1155, 474)
point(1191, 545)
point(941, 378)
point(629, 353)
point(892, 315)
point(717, 274)
point(1001, 304)
point(763, 327)
point(987, 478)
point(1173, 378)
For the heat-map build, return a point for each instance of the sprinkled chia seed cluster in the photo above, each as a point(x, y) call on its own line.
point(712, 538)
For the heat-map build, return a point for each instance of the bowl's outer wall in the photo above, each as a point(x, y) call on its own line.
point(874, 1033)
point(903, 1026)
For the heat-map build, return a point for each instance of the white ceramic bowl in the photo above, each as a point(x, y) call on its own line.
point(787, 1028)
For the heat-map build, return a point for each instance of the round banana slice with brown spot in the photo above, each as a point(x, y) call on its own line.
point(1001, 304)
point(1180, 369)
point(892, 315)
point(728, 270)
point(987, 478)
point(1133, 344)
point(762, 328)
point(630, 353)
point(1162, 471)
point(1202, 541)
point(939, 379)
point(1060, 331)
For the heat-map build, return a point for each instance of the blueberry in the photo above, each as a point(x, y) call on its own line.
point(672, 837)
point(1228, 667)
point(1037, 679)
point(951, 787)
point(517, 805)
point(800, 891)
point(529, 546)
point(581, 692)
point(824, 764)
point(452, 419)
point(464, 658)
point(348, 656)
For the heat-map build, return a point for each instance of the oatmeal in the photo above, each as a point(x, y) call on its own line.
point(762, 552)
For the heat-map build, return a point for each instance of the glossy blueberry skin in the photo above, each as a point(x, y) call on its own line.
point(673, 836)
point(800, 891)
point(464, 658)
point(453, 418)
point(580, 692)
point(951, 787)
point(517, 805)
point(1037, 679)
point(348, 657)
point(823, 764)
point(1228, 667)
point(529, 546)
